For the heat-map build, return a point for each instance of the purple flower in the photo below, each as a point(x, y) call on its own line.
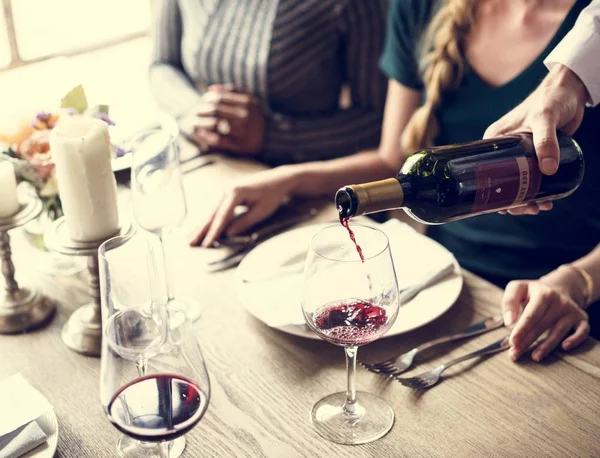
point(105, 118)
point(119, 152)
point(43, 116)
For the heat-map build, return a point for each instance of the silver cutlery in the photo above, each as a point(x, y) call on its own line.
point(187, 169)
point(245, 243)
point(263, 232)
point(400, 363)
point(430, 378)
point(231, 260)
point(432, 277)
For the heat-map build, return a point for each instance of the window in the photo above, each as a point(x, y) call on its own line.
point(4, 46)
point(62, 27)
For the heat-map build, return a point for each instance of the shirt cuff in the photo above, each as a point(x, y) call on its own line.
point(579, 51)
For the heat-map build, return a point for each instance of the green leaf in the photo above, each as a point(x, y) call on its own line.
point(75, 99)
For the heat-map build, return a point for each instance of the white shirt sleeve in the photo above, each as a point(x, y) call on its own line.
point(580, 50)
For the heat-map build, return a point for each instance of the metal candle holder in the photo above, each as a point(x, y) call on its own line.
point(21, 309)
point(83, 331)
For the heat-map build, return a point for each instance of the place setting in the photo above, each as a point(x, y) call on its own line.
point(269, 274)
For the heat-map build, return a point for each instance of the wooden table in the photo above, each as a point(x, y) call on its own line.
point(265, 382)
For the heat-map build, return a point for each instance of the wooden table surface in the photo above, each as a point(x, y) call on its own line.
point(264, 382)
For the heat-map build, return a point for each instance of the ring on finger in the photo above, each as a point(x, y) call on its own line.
point(223, 127)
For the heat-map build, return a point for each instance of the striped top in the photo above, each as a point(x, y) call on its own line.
point(294, 56)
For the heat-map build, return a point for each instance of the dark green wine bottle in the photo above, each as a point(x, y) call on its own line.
point(439, 185)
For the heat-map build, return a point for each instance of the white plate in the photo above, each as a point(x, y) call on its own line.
point(49, 425)
point(290, 248)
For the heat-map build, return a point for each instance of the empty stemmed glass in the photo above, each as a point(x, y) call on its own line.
point(154, 386)
point(159, 203)
point(349, 303)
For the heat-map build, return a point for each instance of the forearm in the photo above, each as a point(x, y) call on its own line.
point(172, 89)
point(591, 264)
point(562, 77)
point(326, 177)
point(573, 283)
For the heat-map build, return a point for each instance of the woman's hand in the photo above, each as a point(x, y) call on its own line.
point(551, 304)
point(262, 193)
point(228, 120)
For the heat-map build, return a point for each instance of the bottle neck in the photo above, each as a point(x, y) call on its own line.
point(378, 196)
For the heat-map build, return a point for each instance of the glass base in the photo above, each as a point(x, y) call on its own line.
point(131, 448)
point(371, 420)
point(190, 307)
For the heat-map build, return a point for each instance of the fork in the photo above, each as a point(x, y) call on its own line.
point(430, 378)
point(401, 363)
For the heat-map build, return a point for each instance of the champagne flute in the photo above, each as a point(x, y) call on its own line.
point(349, 303)
point(159, 203)
point(154, 386)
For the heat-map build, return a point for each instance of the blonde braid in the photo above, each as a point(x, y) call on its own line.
point(442, 65)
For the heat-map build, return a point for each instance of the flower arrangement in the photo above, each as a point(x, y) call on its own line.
point(28, 147)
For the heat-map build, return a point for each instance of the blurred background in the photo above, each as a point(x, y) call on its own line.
point(48, 47)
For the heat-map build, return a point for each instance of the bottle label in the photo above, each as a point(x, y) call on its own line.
point(506, 183)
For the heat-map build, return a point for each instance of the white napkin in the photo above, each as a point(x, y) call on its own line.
point(20, 406)
point(277, 301)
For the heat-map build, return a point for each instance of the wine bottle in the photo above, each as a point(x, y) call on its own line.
point(448, 183)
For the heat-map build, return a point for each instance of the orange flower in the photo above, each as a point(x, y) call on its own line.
point(13, 139)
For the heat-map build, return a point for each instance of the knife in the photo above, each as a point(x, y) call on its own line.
point(264, 232)
point(245, 243)
point(230, 260)
point(432, 277)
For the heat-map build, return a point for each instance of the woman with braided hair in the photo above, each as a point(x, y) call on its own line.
point(454, 67)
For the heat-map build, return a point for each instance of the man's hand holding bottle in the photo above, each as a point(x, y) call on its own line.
point(557, 104)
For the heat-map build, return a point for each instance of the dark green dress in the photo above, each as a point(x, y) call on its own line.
point(502, 247)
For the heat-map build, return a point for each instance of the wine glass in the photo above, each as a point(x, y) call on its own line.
point(159, 203)
point(154, 386)
point(349, 303)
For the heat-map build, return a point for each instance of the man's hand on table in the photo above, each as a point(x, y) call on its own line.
point(262, 193)
point(228, 120)
point(554, 304)
point(557, 104)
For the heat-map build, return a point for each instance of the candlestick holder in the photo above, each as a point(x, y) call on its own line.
point(21, 309)
point(83, 331)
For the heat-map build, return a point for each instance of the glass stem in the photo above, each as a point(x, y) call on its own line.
point(350, 405)
point(164, 449)
point(142, 365)
point(161, 238)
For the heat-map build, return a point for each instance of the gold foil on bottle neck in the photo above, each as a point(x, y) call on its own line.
point(378, 196)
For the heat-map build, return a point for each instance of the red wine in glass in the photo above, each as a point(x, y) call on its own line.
point(157, 407)
point(350, 322)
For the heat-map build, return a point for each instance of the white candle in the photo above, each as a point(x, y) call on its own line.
point(80, 149)
point(9, 204)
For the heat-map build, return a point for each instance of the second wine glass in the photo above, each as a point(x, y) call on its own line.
point(350, 302)
point(154, 386)
point(159, 203)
